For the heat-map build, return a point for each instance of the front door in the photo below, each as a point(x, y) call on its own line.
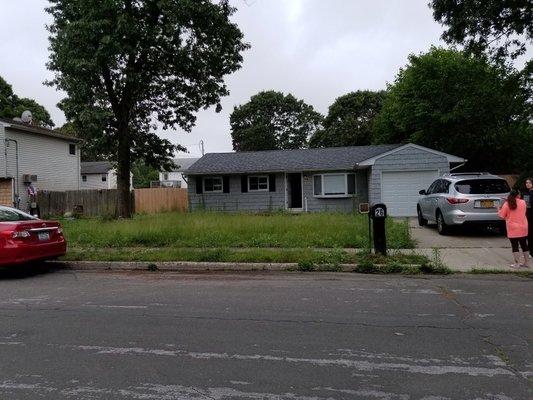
point(6, 192)
point(295, 190)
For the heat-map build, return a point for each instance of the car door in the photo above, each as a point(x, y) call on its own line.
point(433, 199)
point(426, 199)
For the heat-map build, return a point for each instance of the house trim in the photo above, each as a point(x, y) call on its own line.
point(371, 161)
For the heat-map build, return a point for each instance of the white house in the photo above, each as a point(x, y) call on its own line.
point(174, 178)
point(40, 157)
point(99, 175)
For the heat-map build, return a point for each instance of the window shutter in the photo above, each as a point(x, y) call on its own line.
point(317, 183)
point(225, 184)
point(244, 183)
point(351, 183)
point(272, 182)
point(199, 185)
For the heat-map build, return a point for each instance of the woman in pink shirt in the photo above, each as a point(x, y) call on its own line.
point(514, 213)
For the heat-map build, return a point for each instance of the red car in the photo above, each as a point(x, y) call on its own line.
point(24, 238)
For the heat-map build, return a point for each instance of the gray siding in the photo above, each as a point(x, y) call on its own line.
point(2, 152)
point(408, 159)
point(46, 157)
point(235, 200)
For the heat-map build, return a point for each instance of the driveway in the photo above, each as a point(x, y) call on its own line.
point(464, 249)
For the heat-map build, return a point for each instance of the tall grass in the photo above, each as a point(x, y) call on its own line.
point(209, 229)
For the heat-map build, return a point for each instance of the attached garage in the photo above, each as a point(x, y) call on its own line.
point(396, 177)
point(6, 192)
point(400, 190)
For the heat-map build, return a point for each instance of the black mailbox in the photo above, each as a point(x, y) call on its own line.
point(378, 213)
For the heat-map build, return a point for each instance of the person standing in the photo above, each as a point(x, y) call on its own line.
point(528, 198)
point(514, 213)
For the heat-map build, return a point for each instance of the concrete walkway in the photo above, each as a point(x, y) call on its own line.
point(465, 249)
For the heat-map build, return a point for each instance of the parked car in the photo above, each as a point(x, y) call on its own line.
point(25, 238)
point(462, 199)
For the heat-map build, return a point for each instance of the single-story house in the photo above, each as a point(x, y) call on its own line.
point(36, 156)
point(175, 177)
point(326, 179)
point(99, 175)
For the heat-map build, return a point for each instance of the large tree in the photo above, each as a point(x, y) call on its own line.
point(12, 106)
point(350, 120)
point(127, 65)
point(502, 28)
point(462, 105)
point(273, 121)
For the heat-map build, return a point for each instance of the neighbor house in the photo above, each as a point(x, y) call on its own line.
point(328, 179)
point(99, 175)
point(175, 177)
point(40, 157)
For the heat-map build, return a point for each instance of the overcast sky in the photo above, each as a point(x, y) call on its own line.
point(315, 49)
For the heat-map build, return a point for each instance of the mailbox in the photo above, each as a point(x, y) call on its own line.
point(378, 213)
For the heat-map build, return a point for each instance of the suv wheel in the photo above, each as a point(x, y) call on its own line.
point(421, 220)
point(442, 227)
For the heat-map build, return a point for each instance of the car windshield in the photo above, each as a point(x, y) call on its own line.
point(482, 186)
point(11, 215)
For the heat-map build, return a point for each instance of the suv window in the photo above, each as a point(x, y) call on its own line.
point(433, 187)
point(482, 186)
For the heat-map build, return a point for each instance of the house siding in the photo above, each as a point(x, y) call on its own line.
point(2, 152)
point(94, 181)
point(235, 200)
point(407, 159)
point(46, 157)
point(174, 176)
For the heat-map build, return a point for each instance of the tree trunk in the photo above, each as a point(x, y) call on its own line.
point(124, 207)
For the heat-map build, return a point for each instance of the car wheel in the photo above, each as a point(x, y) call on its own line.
point(421, 220)
point(442, 227)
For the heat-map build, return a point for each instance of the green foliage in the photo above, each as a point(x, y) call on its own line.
point(12, 106)
point(143, 174)
point(306, 266)
point(502, 28)
point(273, 121)
point(125, 65)
point(461, 105)
point(350, 120)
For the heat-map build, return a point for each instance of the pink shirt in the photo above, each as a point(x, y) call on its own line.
point(515, 220)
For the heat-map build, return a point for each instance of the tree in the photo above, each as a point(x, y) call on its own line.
point(273, 121)
point(143, 174)
point(128, 65)
point(461, 105)
point(12, 106)
point(501, 28)
point(350, 120)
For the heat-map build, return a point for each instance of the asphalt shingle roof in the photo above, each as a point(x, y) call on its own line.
point(183, 164)
point(21, 126)
point(323, 159)
point(95, 167)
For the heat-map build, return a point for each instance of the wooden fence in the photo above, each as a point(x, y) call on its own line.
point(157, 200)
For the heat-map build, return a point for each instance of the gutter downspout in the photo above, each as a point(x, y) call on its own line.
point(6, 141)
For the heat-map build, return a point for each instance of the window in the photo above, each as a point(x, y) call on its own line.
point(165, 177)
point(104, 178)
point(483, 186)
point(213, 184)
point(433, 187)
point(334, 185)
point(72, 149)
point(258, 183)
point(84, 178)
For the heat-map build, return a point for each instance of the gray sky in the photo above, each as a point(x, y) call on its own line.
point(315, 49)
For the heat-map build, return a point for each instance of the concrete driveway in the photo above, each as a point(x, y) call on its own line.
point(464, 249)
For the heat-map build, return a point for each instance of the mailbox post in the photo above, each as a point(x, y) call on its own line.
point(378, 213)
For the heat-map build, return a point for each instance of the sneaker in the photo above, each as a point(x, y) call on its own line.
point(515, 266)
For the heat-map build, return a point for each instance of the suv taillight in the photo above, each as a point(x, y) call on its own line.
point(453, 200)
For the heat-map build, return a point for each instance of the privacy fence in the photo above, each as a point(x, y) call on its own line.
point(92, 203)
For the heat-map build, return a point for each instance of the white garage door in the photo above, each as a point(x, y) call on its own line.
point(399, 190)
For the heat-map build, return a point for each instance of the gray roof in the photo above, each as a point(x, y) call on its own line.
point(21, 126)
point(323, 159)
point(183, 164)
point(96, 167)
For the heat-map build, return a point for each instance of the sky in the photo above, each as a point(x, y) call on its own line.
point(317, 50)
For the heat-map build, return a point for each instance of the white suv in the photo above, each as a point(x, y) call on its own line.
point(462, 198)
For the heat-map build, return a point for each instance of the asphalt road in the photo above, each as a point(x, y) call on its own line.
point(156, 336)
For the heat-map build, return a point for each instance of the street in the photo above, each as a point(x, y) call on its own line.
point(304, 336)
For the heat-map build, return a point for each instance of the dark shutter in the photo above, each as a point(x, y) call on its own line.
point(272, 182)
point(225, 184)
point(199, 185)
point(351, 183)
point(244, 183)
